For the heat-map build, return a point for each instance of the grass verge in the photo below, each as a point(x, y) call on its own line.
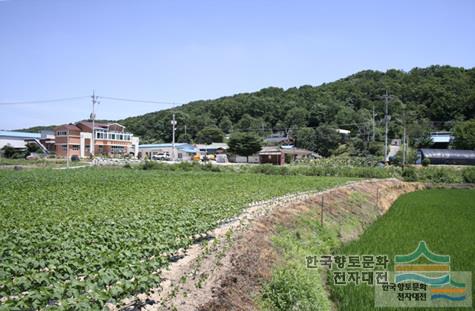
point(442, 217)
point(293, 286)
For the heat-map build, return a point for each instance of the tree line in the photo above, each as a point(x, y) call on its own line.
point(424, 99)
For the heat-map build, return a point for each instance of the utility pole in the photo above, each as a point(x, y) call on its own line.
point(374, 133)
point(67, 149)
point(173, 137)
point(93, 118)
point(386, 121)
point(404, 139)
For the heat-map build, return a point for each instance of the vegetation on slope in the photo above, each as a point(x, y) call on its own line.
point(425, 99)
point(442, 217)
point(432, 98)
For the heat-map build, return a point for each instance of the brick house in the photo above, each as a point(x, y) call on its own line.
point(110, 139)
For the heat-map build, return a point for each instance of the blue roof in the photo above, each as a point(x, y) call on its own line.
point(189, 150)
point(161, 145)
point(287, 146)
point(441, 139)
point(180, 146)
point(19, 134)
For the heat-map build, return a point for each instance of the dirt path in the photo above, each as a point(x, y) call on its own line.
point(227, 269)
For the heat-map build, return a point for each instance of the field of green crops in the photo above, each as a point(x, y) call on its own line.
point(445, 219)
point(81, 238)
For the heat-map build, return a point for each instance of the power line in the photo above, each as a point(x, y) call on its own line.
point(141, 101)
point(46, 101)
point(43, 101)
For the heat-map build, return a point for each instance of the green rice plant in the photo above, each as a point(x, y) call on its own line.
point(442, 217)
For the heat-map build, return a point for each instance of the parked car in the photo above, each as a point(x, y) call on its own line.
point(161, 156)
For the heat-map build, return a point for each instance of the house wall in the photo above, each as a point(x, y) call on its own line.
point(180, 155)
point(240, 159)
point(80, 144)
point(65, 146)
point(15, 142)
point(276, 159)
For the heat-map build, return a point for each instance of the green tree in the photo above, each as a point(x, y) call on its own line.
point(247, 123)
point(305, 138)
point(245, 144)
point(296, 117)
point(184, 138)
point(226, 125)
point(9, 152)
point(327, 140)
point(464, 133)
point(209, 135)
point(32, 147)
point(424, 141)
point(358, 147)
point(435, 93)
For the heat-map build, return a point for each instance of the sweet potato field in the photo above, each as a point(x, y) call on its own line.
point(80, 239)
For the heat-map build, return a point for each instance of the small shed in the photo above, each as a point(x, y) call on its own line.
point(441, 140)
point(214, 148)
point(447, 156)
point(296, 154)
point(272, 155)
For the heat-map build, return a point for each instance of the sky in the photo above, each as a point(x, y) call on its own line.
point(173, 52)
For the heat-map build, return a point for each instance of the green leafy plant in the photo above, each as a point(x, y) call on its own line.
point(77, 239)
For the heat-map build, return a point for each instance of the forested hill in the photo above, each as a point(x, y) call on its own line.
point(433, 97)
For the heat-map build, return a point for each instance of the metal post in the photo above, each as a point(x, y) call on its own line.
point(321, 214)
point(374, 133)
point(404, 141)
point(377, 197)
point(386, 99)
point(93, 117)
point(67, 149)
point(173, 137)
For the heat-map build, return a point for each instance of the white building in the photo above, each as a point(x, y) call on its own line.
point(183, 152)
point(18, 140)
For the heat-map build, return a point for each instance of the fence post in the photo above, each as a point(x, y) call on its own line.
point(377, 197)
point(321, 214)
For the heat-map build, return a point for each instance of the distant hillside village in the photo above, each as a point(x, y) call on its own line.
point(424, 116)
point(111, 140)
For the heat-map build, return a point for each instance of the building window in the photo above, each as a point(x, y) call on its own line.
point(64, 148)
point(76, 147)
point(117, 149)
point(61, 133)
